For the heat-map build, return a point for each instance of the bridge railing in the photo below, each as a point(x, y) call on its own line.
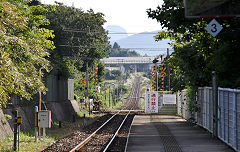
point(228, 119)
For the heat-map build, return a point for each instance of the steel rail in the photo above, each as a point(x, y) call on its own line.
point(116, 133)
point(134, 91)
point(83, 143)
point(129, 131)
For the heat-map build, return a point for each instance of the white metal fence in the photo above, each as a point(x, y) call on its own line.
point(182, 106)
point(228, 112)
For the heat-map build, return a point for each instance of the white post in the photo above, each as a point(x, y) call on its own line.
point(44, 134)
point(157, 81)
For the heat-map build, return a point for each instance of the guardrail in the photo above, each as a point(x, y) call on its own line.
point(228, 113)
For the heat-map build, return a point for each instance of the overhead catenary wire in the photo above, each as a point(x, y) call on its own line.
point(95, 47)
point(99, 32)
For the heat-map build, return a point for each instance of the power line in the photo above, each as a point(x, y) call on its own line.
point(99, 32)
point(150, 33)
point(149, 49)
point(95, 47)
point(86, 47)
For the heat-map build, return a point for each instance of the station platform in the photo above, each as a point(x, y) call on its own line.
point(168, 133)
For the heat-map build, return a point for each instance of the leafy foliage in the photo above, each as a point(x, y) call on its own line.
point(24, 46)
point(116, 51)
point(80, 40)
point(80, 36)
point(197, 53)
point(113, 75)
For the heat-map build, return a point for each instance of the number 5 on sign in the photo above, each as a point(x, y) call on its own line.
point(214, 28)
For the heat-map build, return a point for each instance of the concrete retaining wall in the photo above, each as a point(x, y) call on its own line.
point(5, 128)
point(59, 88)
point(59, 111)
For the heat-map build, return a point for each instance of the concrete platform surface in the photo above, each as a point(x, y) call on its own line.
point(166, 133)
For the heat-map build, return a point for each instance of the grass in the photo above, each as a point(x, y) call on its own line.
point(27, 142)
point(27, 138)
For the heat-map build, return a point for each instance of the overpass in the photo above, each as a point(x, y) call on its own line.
point(135, 64)
point(128, 60)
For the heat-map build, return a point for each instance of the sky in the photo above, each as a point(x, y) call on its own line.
point(129, 14)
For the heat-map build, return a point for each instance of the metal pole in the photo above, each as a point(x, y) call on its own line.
point(109, 97)
point(114, 95)
point(36, 123)
point(215, 103)
point(40, 98)
point(105, 91)
point(87, 87)
point(18, 137)
point(157, 81)
point(44, 134)
point(15, 131)
point(40, 94)
point(169, 79)
point(117, 92)
point(156, 75)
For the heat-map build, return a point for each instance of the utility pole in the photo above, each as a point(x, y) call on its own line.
point(113, 95)
point(117, 91)
point(109, 96)
point(87, 87)
point(105, 91)
point(156, 76)
point(169, 79)
point(40, 99)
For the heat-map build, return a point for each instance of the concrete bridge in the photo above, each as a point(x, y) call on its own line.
point(134, 64)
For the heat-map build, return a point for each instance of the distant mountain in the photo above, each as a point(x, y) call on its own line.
point(144, 43)
point(117, 33)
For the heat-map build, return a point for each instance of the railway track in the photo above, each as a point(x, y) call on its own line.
point(134, 96)
point(111, 133)
point(103, 137)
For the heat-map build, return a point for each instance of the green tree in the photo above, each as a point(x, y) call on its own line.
point(114, 74)
point(197, 53)
point(116, 51)
point(80, 38)
point(116, 46)
point(24, 46)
